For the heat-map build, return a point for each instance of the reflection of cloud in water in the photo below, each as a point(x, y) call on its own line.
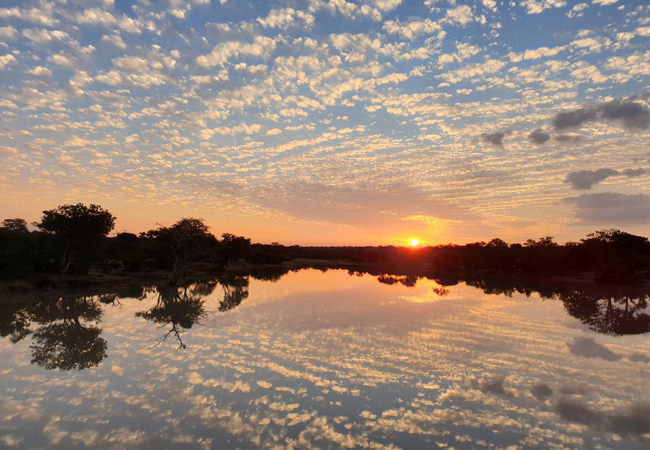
point(347, 365)
point(634, 420)
point(588, 348)
point(541, 391)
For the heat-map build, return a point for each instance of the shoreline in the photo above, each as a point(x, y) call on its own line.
point(69, 283)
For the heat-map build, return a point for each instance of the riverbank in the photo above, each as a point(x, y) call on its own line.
point(203, 272)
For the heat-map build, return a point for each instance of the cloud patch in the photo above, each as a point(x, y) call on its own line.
point(495, 139)
point(588, 348)
point(631, 114)
point(634, 421)
point(539, 136)
point(585, 179)
point(611, 208)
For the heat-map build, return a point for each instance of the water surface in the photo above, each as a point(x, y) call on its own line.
point(329, 359)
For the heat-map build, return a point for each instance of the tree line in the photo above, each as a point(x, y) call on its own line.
point(608, 255)
point(74, 239)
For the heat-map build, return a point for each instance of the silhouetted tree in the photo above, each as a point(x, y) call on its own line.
point(77, 225)
point(187, 241)
point(233, 247)
point(618, 255)
point(18, 249)
point(15, 225)
point(497, 243)
point(546, 241)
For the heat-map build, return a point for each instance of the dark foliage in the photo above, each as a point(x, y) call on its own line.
point(75, 240)
point(78, 229)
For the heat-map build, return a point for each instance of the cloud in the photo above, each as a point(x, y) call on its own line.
point(286, 17)
point(8, 33)
point(538, 6)
point(631, 114)
point(588, 348)
point(39, 16)
point(611, 208)
point(489, 67)
point(493, 386)
point(414, 28)
point(638, 357)
point(40, 36)
point(5, 60)
point(578, 10)
point(350, 205)
point(539, 136)
point(541, 391)
point(495, 139)
point(585, 179)
point(632, 173)
point(571, 138)
point(40, 71)
point(387, 5)
point(461, 15)
point(634, 421)
point(114, 40)
point(222, 53)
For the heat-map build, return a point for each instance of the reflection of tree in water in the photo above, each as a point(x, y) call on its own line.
point(441, 291)
point(272, 274)
point(611, 314)
point(616, 310)
point(179, 307)
point(235, 290)
point(63, 341)
point(14, 321)
point(66, 335)
point(610, 309)
point(405, 280)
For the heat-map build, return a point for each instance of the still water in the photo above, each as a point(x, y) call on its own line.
point(333, 359)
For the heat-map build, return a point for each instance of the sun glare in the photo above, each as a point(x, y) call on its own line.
point(414, 242)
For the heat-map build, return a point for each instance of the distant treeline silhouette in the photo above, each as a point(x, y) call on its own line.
point(74, 239)
point(608, 255)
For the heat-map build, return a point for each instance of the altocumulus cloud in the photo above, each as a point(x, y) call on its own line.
point(611, 207)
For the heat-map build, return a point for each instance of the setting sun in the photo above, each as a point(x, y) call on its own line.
point(414, 242)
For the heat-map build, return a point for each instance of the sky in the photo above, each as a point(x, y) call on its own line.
point(331, 122)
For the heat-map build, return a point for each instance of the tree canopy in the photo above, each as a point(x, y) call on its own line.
point(78, 221)
point(188, 240)
point(15, 225)
point(77, 225)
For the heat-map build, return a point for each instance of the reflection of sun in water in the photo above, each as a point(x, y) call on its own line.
point(414, 242)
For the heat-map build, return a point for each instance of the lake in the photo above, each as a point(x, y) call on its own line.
point(328, 359)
